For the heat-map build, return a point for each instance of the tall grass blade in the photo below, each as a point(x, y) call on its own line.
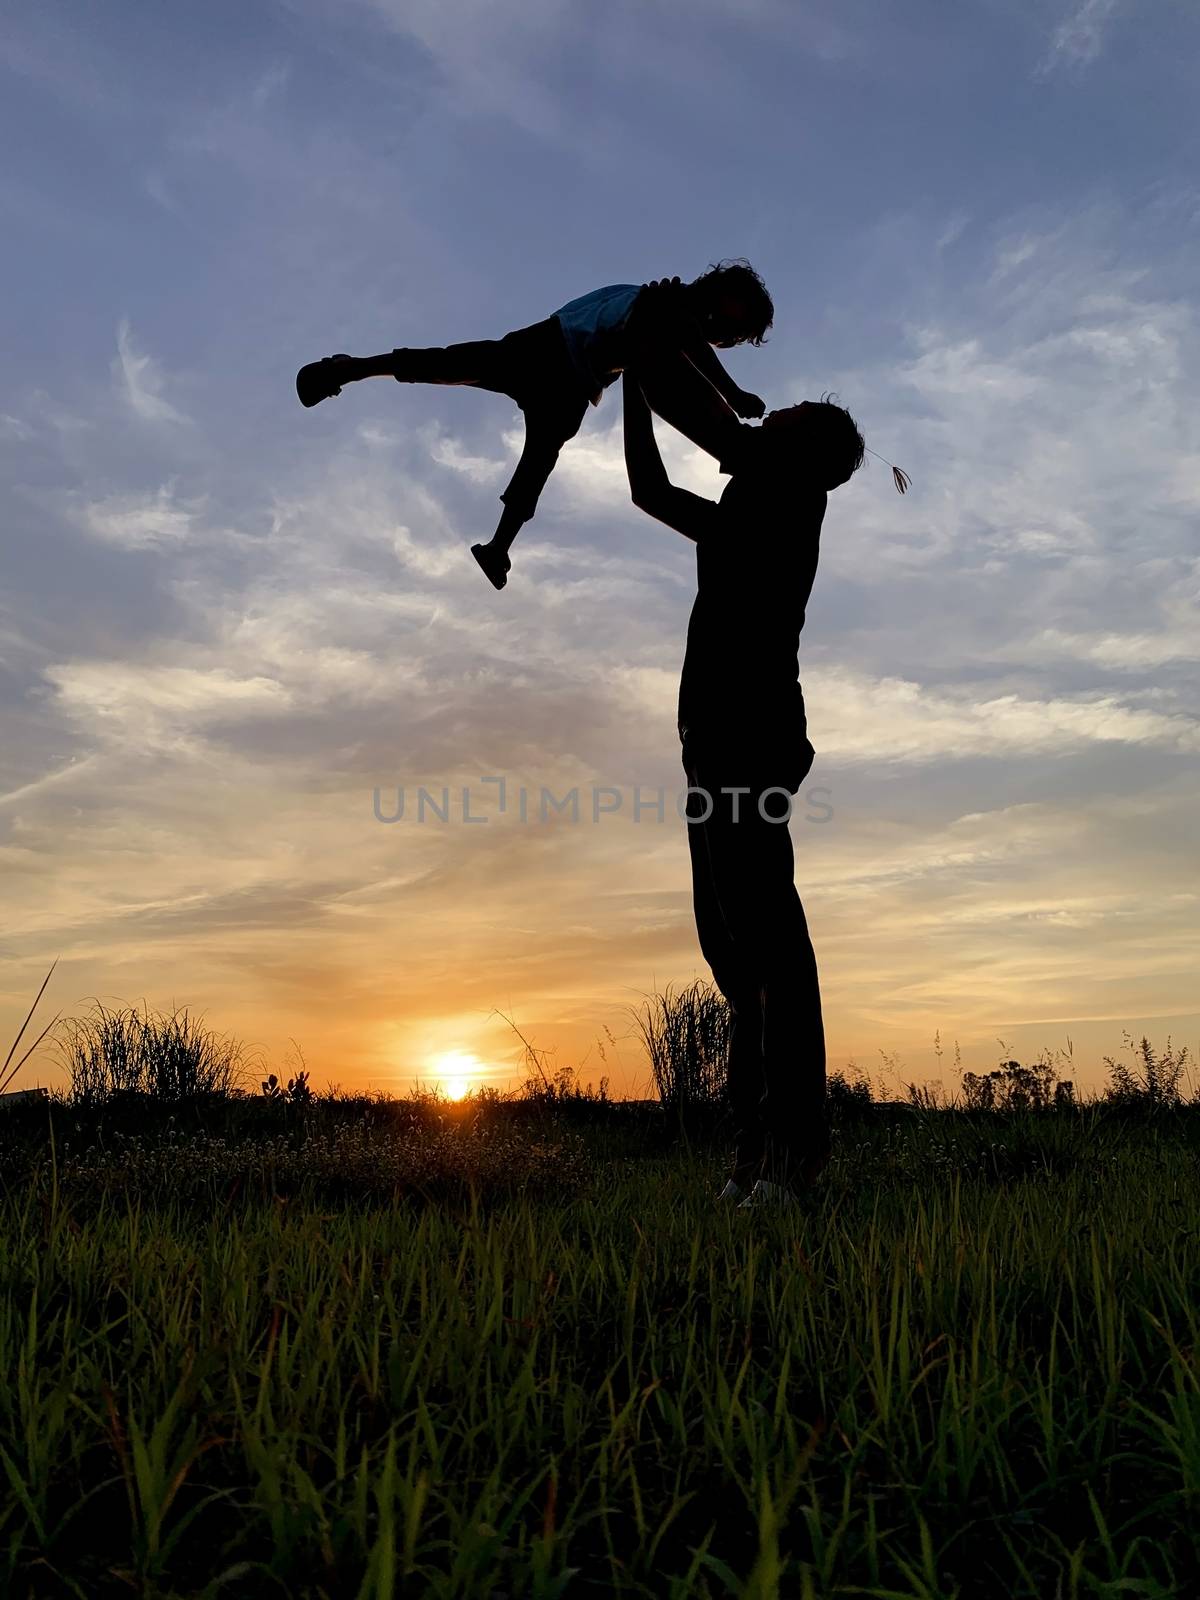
point(6, 1076)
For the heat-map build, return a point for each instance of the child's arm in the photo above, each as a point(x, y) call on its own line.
point(651, 489)
point(660, 303)
point(706, 361)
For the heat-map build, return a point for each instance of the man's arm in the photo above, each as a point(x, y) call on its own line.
point(652, 491)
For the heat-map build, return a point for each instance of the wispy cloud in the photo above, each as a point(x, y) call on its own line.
point(1079, 38)
point(491, 60)
point(156, 705)
point(14, 428)
point(137, 521)
point(1122, 652)
point(502, 61)
point(854, 718)
point(141, 380)
point(272, 82)
point(70, 773)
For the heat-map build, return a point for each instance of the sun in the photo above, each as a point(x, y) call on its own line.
point(456, 1071)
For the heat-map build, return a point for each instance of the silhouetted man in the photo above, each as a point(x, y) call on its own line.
point(746, 752)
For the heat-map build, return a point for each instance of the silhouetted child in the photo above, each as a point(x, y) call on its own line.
point(553, 368)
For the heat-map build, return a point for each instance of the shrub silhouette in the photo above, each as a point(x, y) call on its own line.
point(686, 1035)
point(1153, 1080)
point(127, 1052)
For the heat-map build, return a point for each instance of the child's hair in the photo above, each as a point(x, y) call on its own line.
point(739, 278)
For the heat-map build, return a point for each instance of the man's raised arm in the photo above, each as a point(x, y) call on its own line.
point(652, 491)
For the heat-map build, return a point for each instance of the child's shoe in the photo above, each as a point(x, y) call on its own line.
point(320, 379)
point(494, 562)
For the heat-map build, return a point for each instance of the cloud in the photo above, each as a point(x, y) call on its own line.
point(508, 61)
point(155, 705)
point(1049, 418)
point(1079, 38)
point(15, 428)
point(854, 718)
point(272, 81)
point(143, 521)
point(448, 452)
point(73, 770)
point(140, 378)
point(489, 57)
point(955, 226)
point(1118, 652)
point(591, 467)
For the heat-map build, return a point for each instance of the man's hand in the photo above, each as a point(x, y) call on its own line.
point(747, 404)
point(659, 306)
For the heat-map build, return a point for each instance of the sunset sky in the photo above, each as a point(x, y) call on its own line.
point(226, 621)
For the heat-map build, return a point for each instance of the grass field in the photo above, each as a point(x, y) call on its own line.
point(343, 1349)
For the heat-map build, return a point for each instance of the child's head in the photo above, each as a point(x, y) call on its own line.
point(734, 305)
point(815, 438)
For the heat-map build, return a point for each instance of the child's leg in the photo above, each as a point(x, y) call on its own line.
point(481, 363)
point(477, 363)
point(368, 367)
point(532, 368)
point(547, 429)
point(493, 556)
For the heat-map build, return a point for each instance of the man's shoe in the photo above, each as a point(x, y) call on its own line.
point(766, 1195)
point(320, 379)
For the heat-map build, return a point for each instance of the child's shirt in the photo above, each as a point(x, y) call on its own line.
point(593, 327)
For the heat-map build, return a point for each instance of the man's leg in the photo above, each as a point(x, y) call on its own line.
point(753, 869)
point(746, 1083)
point(793, 1025)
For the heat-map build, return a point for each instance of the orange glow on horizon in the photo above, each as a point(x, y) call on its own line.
point(457, 1071)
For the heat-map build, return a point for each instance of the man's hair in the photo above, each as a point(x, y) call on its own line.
point(739, 278)
point(841, 440)
point(821, 436)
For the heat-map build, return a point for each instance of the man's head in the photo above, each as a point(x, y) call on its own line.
point(815, 439)
point(733, 304)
